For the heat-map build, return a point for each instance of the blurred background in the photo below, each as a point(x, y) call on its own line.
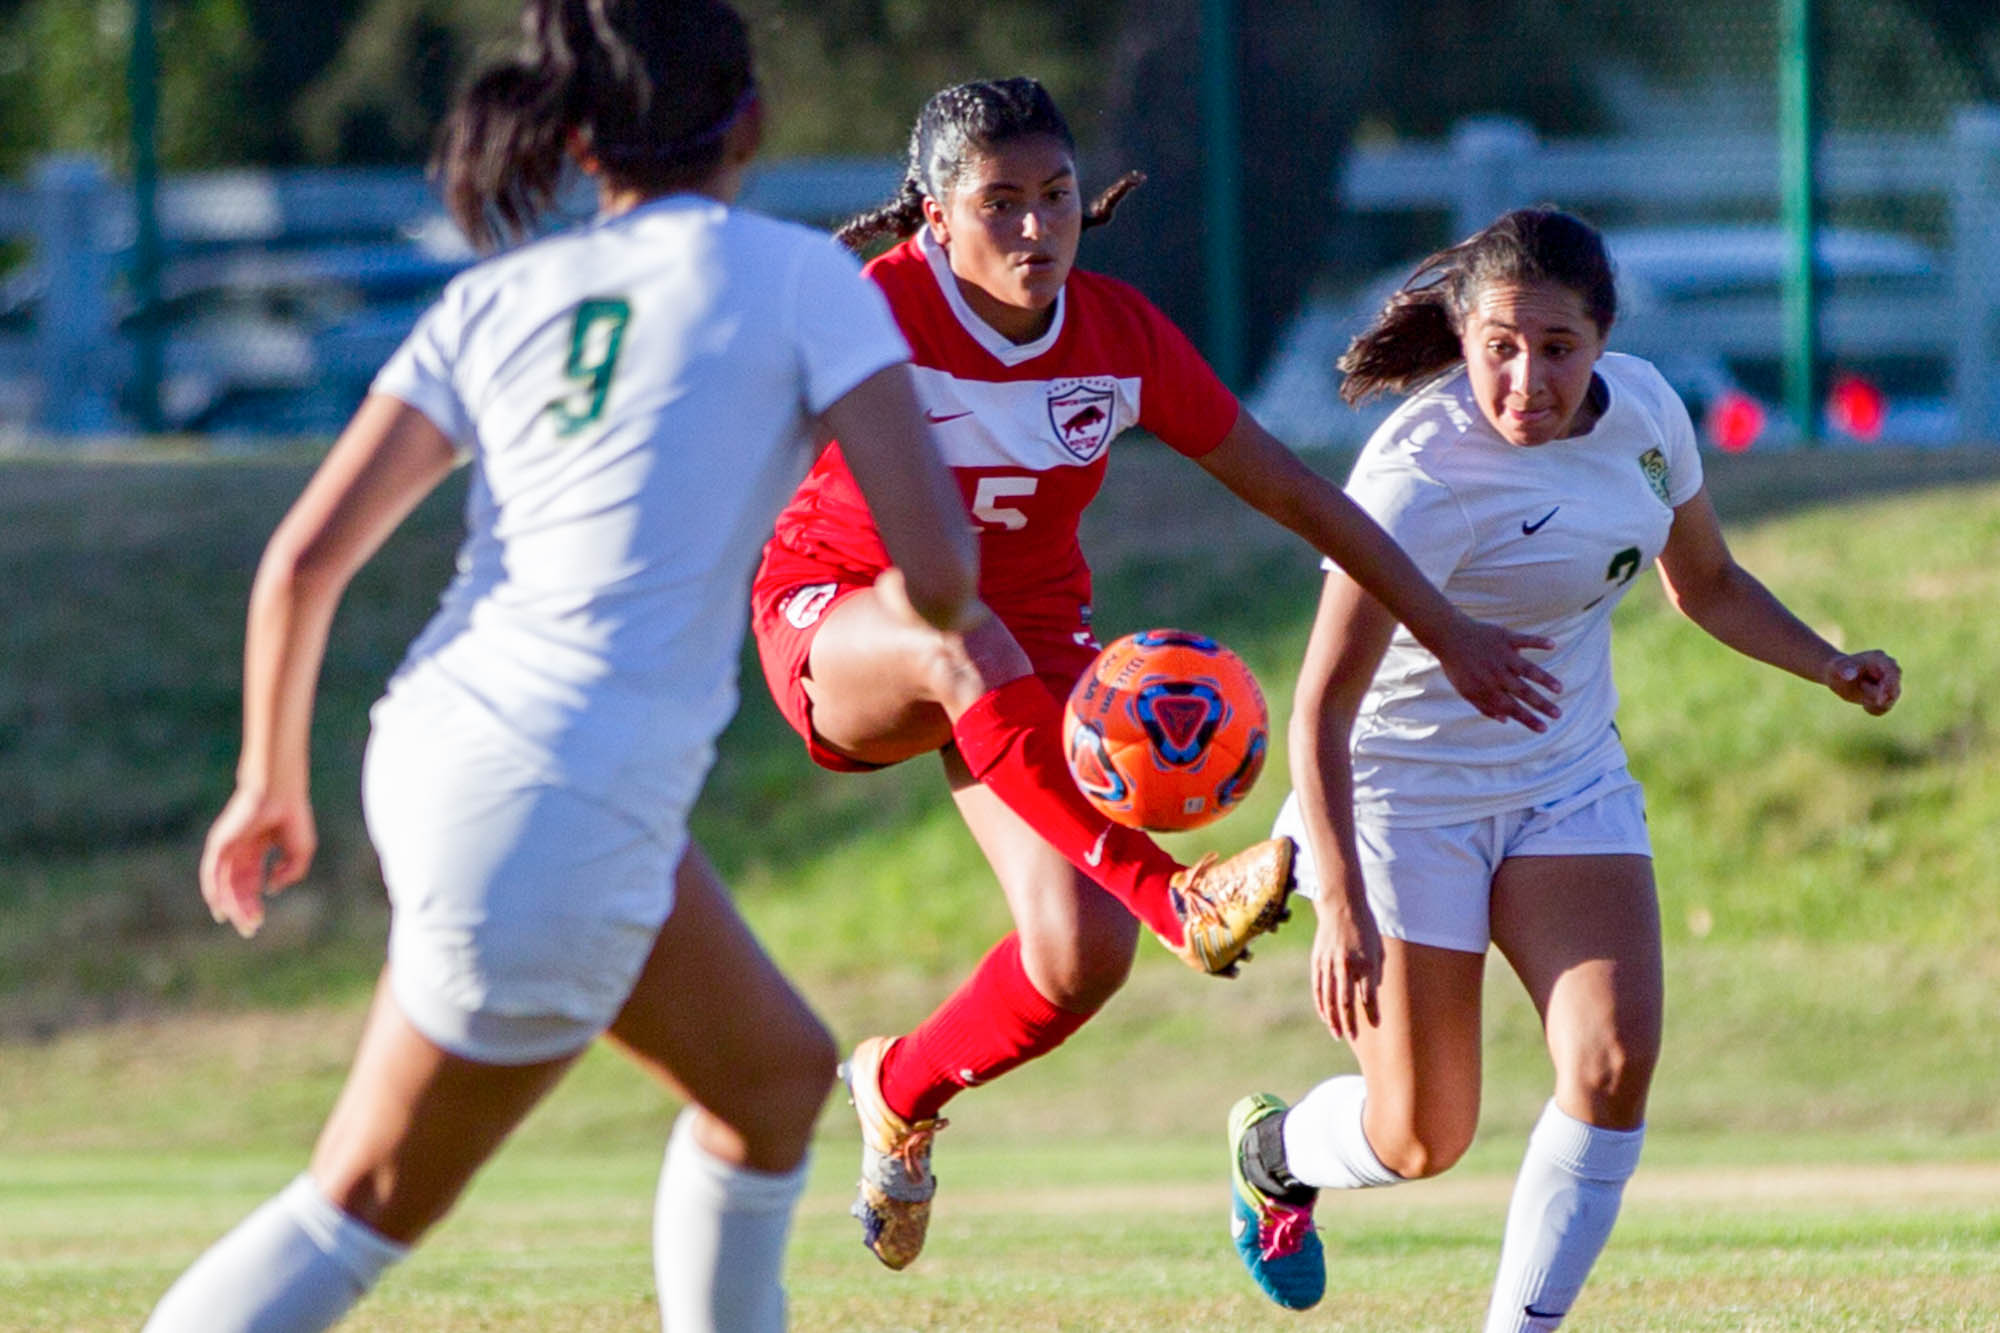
point(215, 224)
point(214, 216)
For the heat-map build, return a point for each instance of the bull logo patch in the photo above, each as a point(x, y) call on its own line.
point(805, 606)
point(1082, 413)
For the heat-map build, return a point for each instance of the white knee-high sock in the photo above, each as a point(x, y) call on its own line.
point(1564, 1204)
point(295, 1265)
point(1325, 1143)
point(719, 1235)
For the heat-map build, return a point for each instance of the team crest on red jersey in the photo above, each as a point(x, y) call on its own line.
point(1082, 412)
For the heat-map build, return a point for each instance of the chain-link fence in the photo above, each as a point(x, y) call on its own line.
point(1671, 136)
point(1371, 137)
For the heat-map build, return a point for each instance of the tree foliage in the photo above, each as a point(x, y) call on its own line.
point(347, 81)
point(63, 78)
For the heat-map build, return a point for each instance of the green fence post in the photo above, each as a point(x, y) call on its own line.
point(1798, 142)
point(1222, 188)
point(143, 87)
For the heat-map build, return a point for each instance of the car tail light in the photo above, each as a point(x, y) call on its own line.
point(1855, 407)
point(1735, 421)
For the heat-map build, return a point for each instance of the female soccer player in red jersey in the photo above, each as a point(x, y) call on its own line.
point(1028, 369)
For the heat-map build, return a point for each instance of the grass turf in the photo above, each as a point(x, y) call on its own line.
point(1826, 882)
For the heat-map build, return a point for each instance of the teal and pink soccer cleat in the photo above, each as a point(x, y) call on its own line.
point(1275, 1239)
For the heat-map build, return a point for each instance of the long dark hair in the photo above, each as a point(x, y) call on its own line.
point(649, 87)
point(964, 121)
point(1417, 333)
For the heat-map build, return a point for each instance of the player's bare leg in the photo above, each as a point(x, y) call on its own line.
point(1583, 933)
point(713, 1017)
point(1077, 943)
point(1071, 950)
point(1411, 1112)
point(415, 1122)
point(884, 688)
point(1422, 1060)
point(411, 1126)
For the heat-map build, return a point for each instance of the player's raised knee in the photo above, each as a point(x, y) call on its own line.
point(1418, 1146)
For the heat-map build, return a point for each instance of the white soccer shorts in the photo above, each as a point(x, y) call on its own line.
point(522, 911)
point(1433, 885)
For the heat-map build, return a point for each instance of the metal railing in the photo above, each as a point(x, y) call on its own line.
point(67, 318)
point(1489, 165)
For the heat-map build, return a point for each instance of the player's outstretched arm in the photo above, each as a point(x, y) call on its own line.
point(910, 492)
point(1482, 661)
point(1711, 589)
point(389, 457)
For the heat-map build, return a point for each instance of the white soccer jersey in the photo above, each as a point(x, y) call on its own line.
point(1544, 540)
point(636, 397)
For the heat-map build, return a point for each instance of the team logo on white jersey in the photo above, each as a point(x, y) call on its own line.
point(1083, 413)
point(1654, 464)
point(807, 604)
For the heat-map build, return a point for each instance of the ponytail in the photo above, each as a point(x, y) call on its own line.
point(501, 153)
point(897, 218)
point(1102, 207)
point(649, 88)
point(1413, 339)
point(1416, 335)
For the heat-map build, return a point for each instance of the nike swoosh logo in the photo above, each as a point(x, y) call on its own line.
point(937, 420)
point(1530, 529)
point(1095, 856)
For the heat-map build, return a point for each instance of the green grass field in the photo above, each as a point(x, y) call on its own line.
point(1825, 1146)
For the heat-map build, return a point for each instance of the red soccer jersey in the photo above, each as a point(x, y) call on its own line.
point(1025, 427)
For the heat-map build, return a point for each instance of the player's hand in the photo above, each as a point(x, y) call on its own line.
point(258, 845)
point(1485, 665)
point(1346, 964)
point(895, 594)
point(1871, 679)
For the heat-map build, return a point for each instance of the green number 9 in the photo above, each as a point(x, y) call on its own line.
point(594, 342)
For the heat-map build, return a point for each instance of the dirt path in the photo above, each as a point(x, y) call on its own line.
point(1927, 1185)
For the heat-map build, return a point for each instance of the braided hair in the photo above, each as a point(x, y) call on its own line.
point(962, 122)
point(1417, 333)
point(648, 87)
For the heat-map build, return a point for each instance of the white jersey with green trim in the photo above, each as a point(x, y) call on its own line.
point(637, 397)
point(1544, 540)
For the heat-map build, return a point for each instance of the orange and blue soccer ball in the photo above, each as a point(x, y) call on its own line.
point(1167, 730)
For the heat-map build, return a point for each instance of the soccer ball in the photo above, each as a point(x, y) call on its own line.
point(1166, 730)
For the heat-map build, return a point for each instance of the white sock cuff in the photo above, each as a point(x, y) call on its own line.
point(742, 1189)
point(1335, 1109)
point(1588, 1152)
point(360, 1249)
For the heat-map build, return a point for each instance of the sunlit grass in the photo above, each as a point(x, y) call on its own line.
point(1827, 881)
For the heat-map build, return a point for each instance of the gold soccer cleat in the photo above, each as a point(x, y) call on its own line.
point(1223, 905)
point(894, 1203)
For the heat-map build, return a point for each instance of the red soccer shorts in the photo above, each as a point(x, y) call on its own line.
point(793, 594)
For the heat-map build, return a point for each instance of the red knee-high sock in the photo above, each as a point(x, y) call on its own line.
point(1012, 741)
point(992, 1023)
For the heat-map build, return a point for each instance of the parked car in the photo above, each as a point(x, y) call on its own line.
point(1704, 304)
point(258, 340)
point(277, 342)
